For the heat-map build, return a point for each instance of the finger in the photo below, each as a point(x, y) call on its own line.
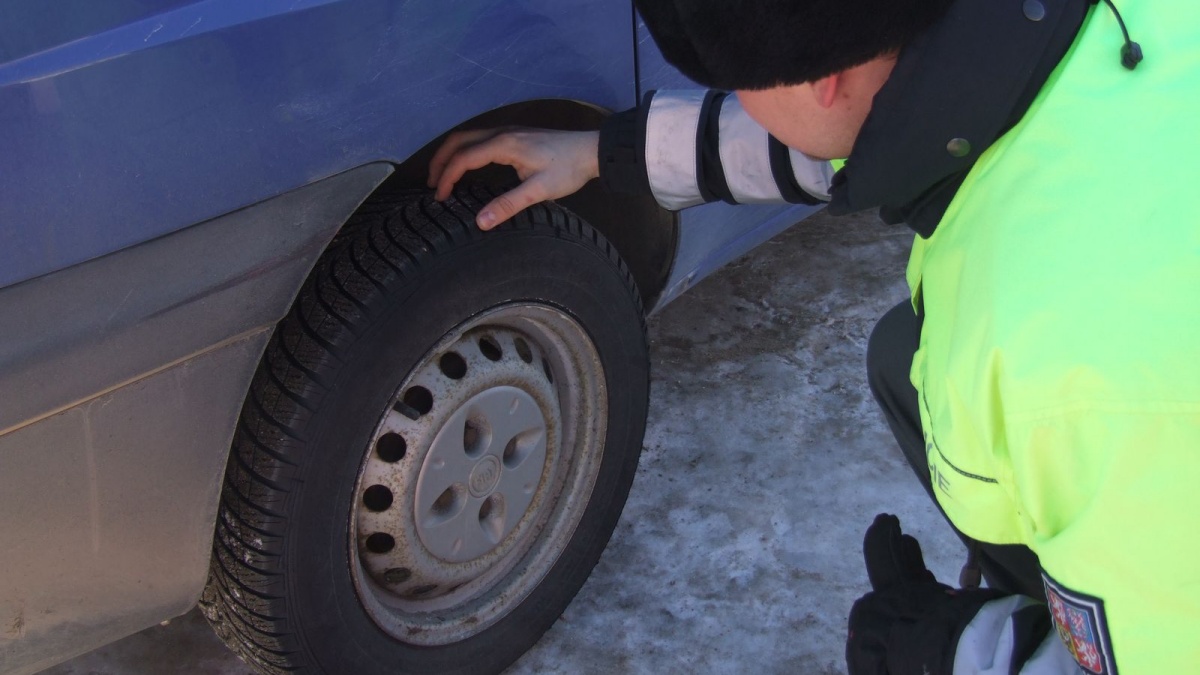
point(913, 561)
point(879, 551)
point(476, 156)
point(510, 204)
point(453, 143)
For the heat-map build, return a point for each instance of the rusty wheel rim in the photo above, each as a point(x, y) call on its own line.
point(478, 474)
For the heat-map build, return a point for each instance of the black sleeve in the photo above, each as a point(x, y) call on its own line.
point(622, 151)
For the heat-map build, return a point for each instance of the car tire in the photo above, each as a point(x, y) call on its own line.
point(436, 446)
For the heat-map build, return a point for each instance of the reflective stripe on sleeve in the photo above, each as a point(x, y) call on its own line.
point(998, 642)
point(744, 159)
point(671, 128)
point(814, 176)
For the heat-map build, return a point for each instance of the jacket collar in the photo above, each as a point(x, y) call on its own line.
point(954, 91)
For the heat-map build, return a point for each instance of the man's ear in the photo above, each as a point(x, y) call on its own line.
point(826, 89)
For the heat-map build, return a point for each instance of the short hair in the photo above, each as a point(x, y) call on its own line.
point(759, 44)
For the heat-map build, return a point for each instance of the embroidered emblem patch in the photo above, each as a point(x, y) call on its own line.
point(1082, 626)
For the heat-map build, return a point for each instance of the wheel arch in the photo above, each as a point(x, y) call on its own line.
point(645, 234)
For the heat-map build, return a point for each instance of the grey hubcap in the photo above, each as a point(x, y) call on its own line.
point(478, 474)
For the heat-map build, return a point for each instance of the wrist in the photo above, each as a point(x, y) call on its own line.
point(620, 153)
point(930, 643)
point(591, 142)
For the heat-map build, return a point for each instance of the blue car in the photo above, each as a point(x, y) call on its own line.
point(247, 361)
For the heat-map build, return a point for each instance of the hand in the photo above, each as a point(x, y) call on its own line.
point(550, 164)
point(907, 624)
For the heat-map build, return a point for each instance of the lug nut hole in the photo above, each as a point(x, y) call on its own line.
point(391, 448)
point(397, 575)
point(419, 399)
point(523, 350)
point(490, 348)
point(377, 498)
point(380, 542)
point(422, 590)
point(453, 366)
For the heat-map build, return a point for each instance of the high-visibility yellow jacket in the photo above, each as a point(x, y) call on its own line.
point(1059, 363)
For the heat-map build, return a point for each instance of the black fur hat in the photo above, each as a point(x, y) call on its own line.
point(758, 44)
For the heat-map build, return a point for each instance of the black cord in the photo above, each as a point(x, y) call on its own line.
point(1131, 52)
point(1120, 21)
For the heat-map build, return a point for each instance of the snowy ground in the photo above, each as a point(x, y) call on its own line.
point(765, 460)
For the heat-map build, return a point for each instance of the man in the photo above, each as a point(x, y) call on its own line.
point(1044, 378)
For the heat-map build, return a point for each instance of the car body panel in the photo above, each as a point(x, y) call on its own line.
point(186, 114)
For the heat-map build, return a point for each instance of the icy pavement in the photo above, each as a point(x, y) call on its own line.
point(740, 548)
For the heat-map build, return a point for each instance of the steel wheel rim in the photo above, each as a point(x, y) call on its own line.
point(453, 525)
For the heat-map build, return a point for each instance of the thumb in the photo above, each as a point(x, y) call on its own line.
point(912, 561)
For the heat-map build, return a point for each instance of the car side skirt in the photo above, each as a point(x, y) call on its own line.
point(121, 380)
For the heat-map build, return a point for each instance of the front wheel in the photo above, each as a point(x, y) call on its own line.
point(436, 447)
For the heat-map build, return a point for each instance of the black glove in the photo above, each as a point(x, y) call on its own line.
point(909, 624)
